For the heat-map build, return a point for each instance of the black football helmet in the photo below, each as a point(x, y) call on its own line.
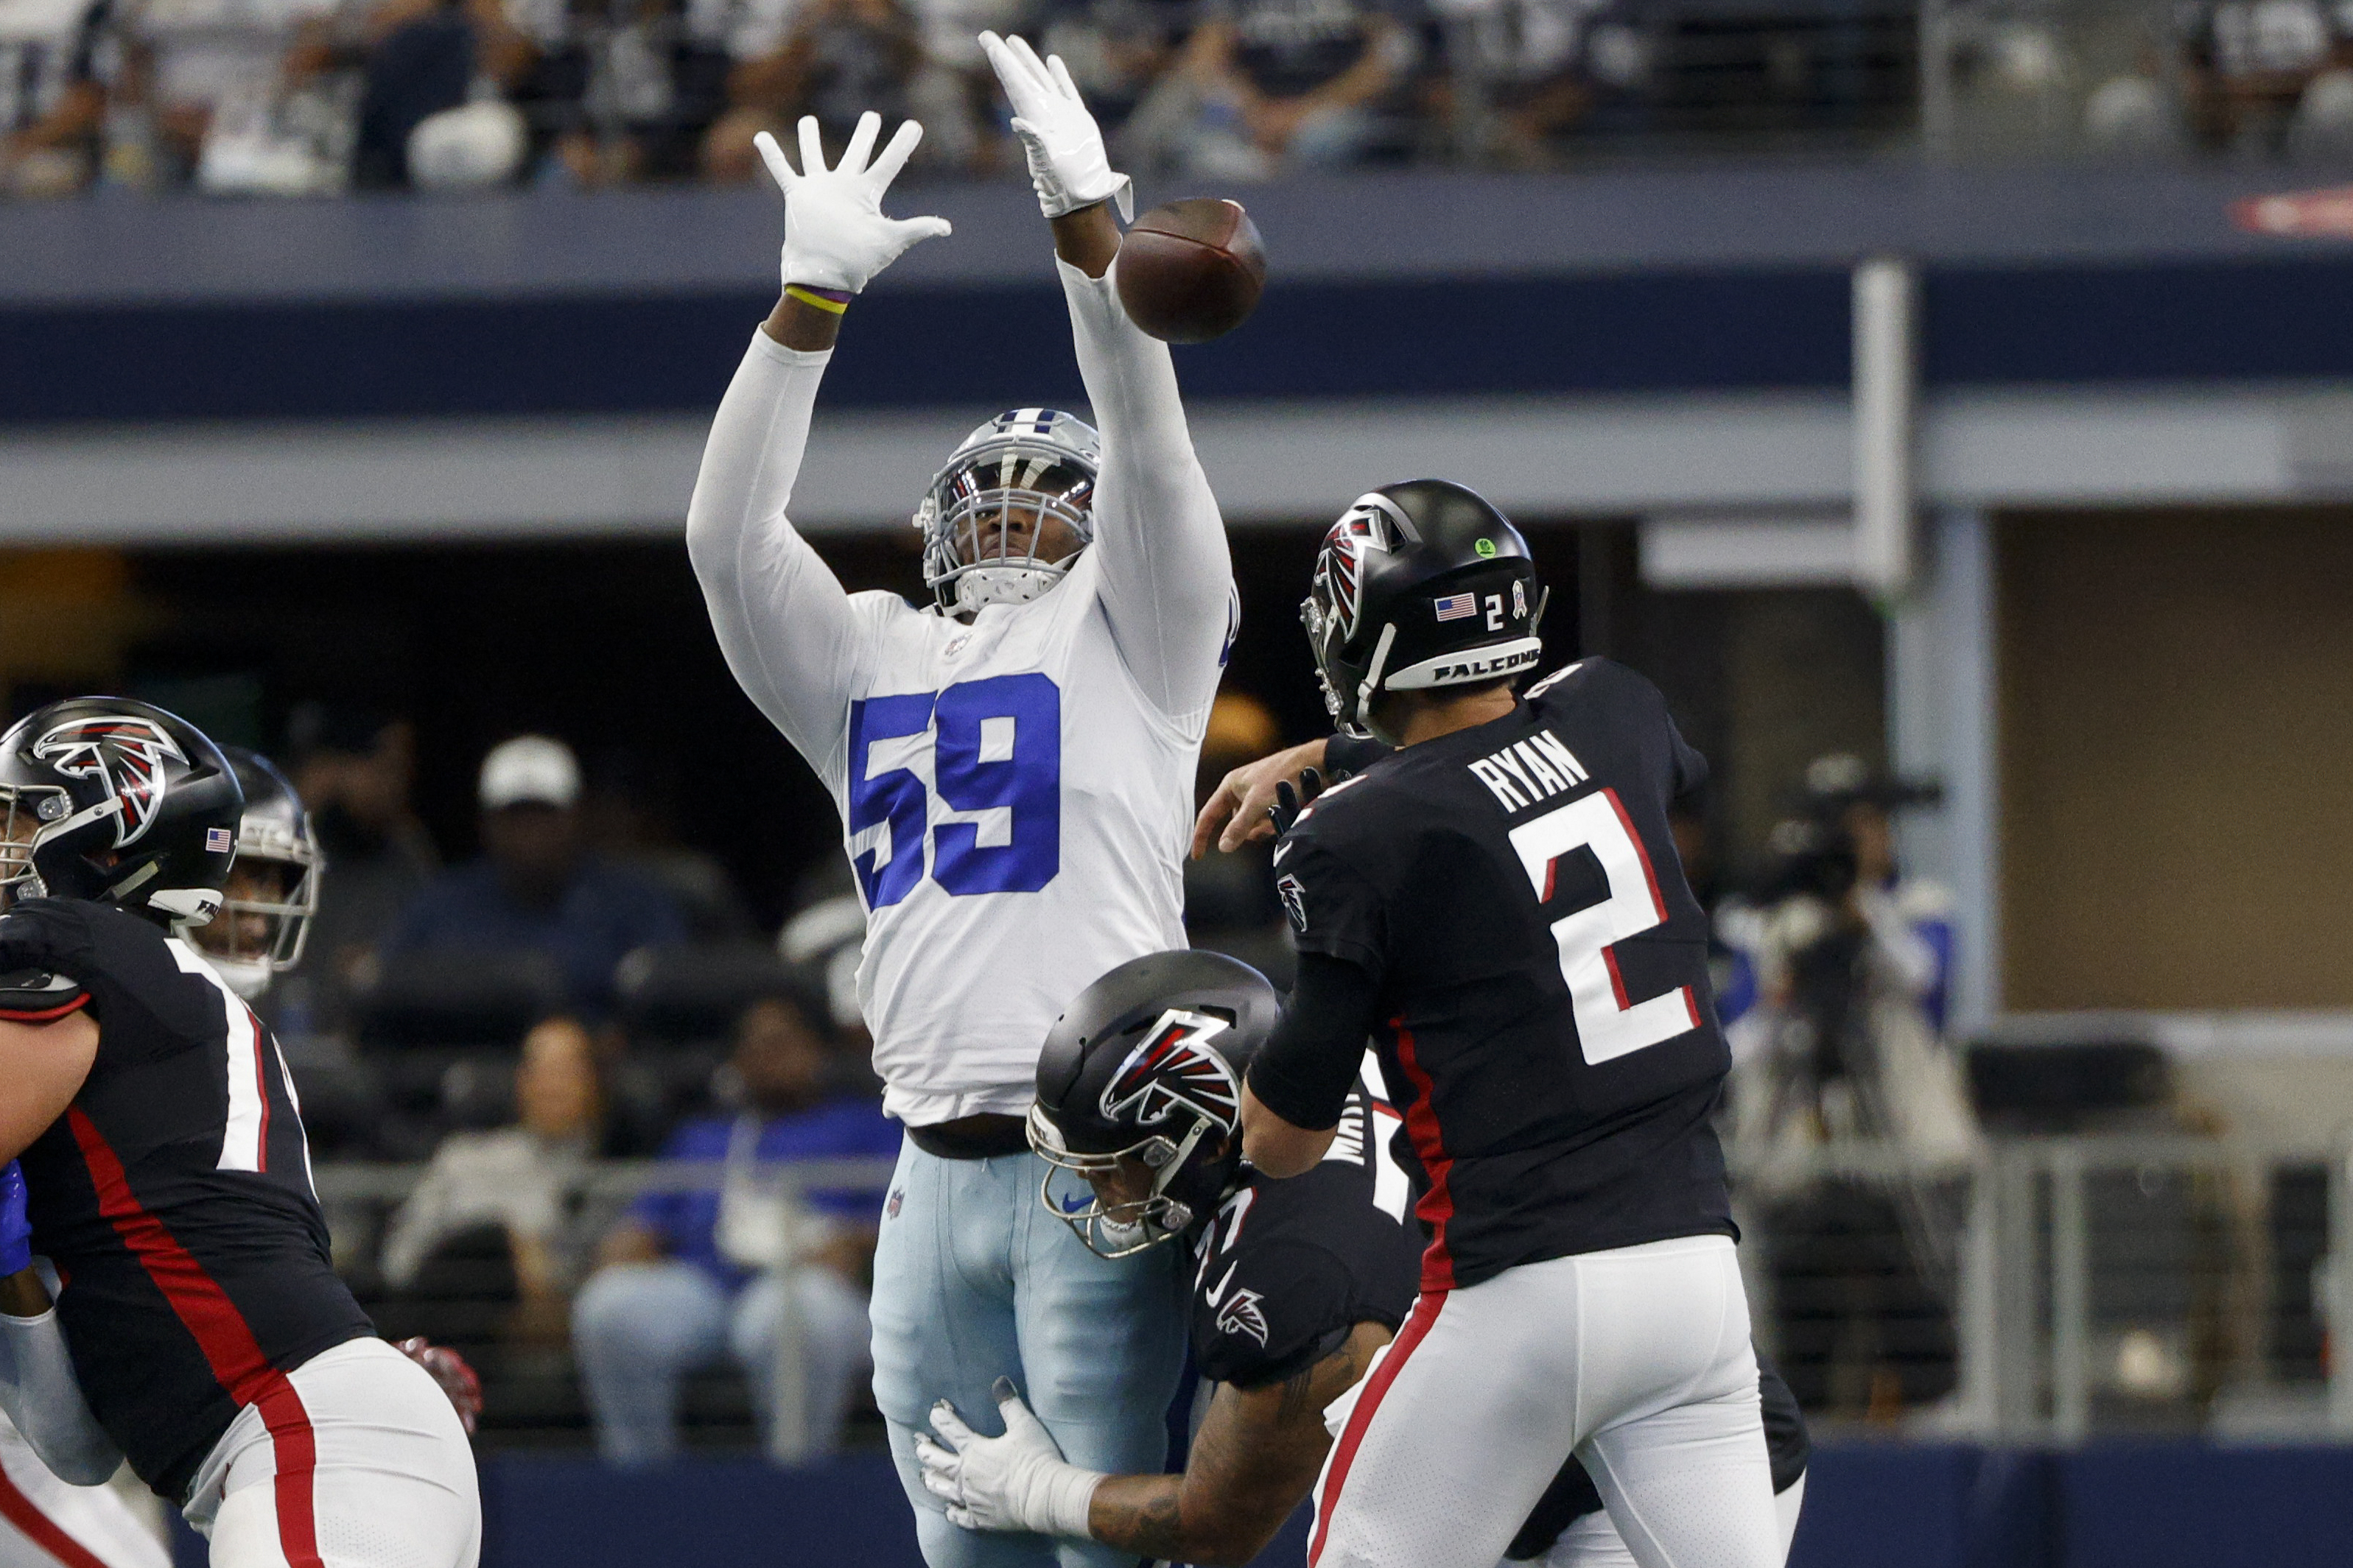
point(120, 803)
point(262, 927)
point(1147, 1063)
point(1418, 586)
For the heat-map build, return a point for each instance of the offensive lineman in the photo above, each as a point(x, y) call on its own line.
point(1012, 764)
point(1299, 1284)
point(271, 896)
point(1499, 906)
point(201, 1322)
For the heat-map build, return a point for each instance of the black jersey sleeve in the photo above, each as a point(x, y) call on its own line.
point(37, 948)
point(126, 965)
point(1271, 1314)
point(1306, 1068)
point(1345, 755)
point(1333, 907)
point(39, 995)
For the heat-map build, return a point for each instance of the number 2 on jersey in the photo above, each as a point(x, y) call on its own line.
point(995, 750)
point(1608, 1025)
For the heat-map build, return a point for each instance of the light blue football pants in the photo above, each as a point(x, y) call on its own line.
point(973, 1282)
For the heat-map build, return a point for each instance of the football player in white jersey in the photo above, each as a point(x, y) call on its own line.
point(1013, 763)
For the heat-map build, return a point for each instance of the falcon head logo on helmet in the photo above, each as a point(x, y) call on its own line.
point(1371, 524)
point(127, 754)
point(1172, 1068)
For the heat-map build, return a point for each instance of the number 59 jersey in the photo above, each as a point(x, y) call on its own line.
point(1546, 1022)
point(1017, 811)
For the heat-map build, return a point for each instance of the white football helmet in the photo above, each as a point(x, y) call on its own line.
point(1021, 468)
point(256, 939)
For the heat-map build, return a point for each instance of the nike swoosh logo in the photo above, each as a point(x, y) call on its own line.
point(1074, 1205)
point(1219, 1294)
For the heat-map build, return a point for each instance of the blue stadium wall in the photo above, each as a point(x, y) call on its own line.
point(1395, 286)
point(1876, 1505)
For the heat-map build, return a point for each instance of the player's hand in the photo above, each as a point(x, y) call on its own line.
point(835, 234)
point(451, 1372)
point(1068, 163)
point(15, 1229)
point(1243, 803)
point(1019, 1481)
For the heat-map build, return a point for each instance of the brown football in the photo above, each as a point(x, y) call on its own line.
point(1191, 270)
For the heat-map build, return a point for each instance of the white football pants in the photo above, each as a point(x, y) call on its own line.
point(1636, 1360)
point(48, 1523)
point(1593, 1542)
point(365, 1466)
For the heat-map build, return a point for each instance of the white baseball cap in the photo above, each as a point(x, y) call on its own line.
point(530, 769)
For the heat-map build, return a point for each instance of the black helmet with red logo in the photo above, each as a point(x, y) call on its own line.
point(1420, 585)
point(118, 801)
point(1146, 1066)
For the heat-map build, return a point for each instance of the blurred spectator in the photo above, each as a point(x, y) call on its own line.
point(425, 59)
point(1116, 49)
point(1523, 72)
point(56, 56)
point(627, 90)
point(1843, 1044)
point(690, 1277)
point(354, 769)
point(1269, 83)
point(522, 1182)
point(536, 889)
point(1847, 962)
point(2267, 74)
point(628, 819)
point(838, 59)
point(954, 92)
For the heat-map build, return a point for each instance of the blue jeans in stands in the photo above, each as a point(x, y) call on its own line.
point(638, 1329)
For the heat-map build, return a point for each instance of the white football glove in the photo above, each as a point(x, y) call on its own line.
point(835, 234)
point(1067, 161)
point(1019, 1481)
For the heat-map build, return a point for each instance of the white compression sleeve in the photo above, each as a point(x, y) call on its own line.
point(41, 1396)
point(1168, 580)
point(789, 631)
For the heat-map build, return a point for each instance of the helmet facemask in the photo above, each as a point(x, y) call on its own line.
point(27, 812)
point(1118, 1229)
point(1003, 521)
point(264, 921)
point(1173, 1107)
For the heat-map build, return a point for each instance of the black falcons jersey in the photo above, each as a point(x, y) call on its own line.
point(175, 1194)
point(1546, 1024)
point(1288, 1267)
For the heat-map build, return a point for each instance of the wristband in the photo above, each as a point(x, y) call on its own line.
point(833, 301)
point(1069, 1502)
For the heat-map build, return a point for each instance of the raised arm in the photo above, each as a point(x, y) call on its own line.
point(1167, 579)
point(784, 623)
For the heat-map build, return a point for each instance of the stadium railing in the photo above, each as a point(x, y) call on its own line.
point(2094, 1285)
point(359, 1195)
point(2059, 1289)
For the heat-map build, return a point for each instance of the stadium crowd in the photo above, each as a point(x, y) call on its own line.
point(313, 97)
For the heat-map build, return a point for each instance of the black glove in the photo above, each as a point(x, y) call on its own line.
point(1290, 801)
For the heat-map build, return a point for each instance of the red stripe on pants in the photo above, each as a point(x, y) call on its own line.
point(44, 1531)
point(221, 1331)
point(1417, 1327)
